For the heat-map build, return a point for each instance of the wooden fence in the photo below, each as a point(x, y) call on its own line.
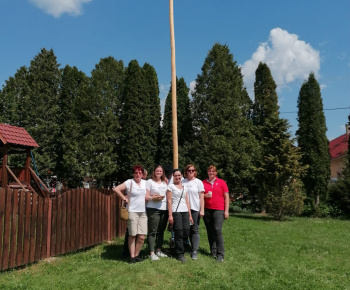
point(34, 228)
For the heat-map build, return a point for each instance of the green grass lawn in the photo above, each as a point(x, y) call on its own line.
point(301, 253)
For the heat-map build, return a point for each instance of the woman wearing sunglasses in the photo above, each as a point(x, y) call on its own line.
point(196, 198)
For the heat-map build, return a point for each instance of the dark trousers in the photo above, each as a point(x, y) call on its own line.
point(214, 220)
point(157, 221)
point(181, 230)
point(194, 231)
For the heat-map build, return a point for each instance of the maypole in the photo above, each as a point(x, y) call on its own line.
point(173, 86)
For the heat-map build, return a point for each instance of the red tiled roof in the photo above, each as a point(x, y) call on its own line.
point(16, 135)
point(339, 146)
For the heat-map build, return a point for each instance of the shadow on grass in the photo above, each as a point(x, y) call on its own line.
point(113, 252)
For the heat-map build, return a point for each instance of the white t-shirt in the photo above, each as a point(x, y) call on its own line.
point(176, 194)
point(137, 200)
point(160, 189)
point(194, 187)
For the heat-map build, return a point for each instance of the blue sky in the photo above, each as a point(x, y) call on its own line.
point(292, 37)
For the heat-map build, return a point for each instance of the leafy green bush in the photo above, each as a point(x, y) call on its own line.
point(288, 202)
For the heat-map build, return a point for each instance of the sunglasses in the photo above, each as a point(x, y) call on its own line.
point(191, 170)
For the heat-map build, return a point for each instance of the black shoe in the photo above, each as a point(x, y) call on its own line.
point(220, 259)
point(132, 261)
point(214, 255)
point(181, 259)
point(138, 259)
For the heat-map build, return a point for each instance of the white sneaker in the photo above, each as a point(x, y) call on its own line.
point(154, 257)
point(161, 254)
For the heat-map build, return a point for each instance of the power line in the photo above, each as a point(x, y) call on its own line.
point(332, 109)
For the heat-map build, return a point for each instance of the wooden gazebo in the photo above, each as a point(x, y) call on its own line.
point(14, 140)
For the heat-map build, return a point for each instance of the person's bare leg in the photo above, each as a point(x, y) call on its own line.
point(139, 244)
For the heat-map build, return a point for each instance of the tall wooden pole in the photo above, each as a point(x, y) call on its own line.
point(173, 86)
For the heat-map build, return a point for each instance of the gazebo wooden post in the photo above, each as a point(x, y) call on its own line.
point(4, 180)
point(173, 86)
point(27, 173)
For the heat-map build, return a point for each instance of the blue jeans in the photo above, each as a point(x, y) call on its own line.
point(214, 220)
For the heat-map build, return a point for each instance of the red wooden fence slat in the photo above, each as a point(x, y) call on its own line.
point(69, 219)
point(77, 222)
point(46, 231)
point(39, 227)
point(63, 225)
point(93, 217)
point(53, 227)
point(73, 227)
point(32, 227)
point(27, 228)
point(85, 214)
point(104, 220)
point(2, 217)
point(88, 213)
point(7, 224)
point(13, 246)
point(19, 256)
point(81, 218)
point(59, 225)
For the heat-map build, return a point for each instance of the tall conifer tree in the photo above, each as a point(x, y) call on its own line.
point(41, 120)
point(152, 113)
point(184, 125)
point(135, 138)
point(278, 168)
point(313, 142)
point(223, 130)
point(101, 130)
point(74, 92)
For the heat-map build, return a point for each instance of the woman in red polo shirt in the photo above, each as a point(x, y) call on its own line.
point(216, 210)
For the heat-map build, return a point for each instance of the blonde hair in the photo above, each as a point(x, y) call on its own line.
point(188, 166)
point(212, 167)
point(162, 178)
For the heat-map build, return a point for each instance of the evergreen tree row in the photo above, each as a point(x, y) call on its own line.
point(100, 126)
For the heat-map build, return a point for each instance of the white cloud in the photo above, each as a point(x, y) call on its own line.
point(288, 58)
point(192, 86)
point(163, 92)
point(59, 7)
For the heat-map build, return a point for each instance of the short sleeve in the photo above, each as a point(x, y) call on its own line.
point(170, 188)
point(200, 185)
point(224, 186)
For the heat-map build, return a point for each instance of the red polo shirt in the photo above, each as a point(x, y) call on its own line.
point(218, 189)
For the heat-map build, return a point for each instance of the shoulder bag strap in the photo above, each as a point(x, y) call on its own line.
point(183, 187)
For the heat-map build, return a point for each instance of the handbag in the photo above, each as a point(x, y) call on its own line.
point(170, 226)
point(124, 213)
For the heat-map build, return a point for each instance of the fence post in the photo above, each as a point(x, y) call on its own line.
point(48, 240)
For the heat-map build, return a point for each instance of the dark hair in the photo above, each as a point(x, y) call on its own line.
point(137, 168)
point(162, 178)
point(177, 169)
point(168, 168)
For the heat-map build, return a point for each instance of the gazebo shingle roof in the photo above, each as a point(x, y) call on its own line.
point(16, 135)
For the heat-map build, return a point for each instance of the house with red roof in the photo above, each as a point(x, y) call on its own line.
point(338, 149)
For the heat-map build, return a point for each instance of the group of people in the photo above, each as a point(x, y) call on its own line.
point(179, 202)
